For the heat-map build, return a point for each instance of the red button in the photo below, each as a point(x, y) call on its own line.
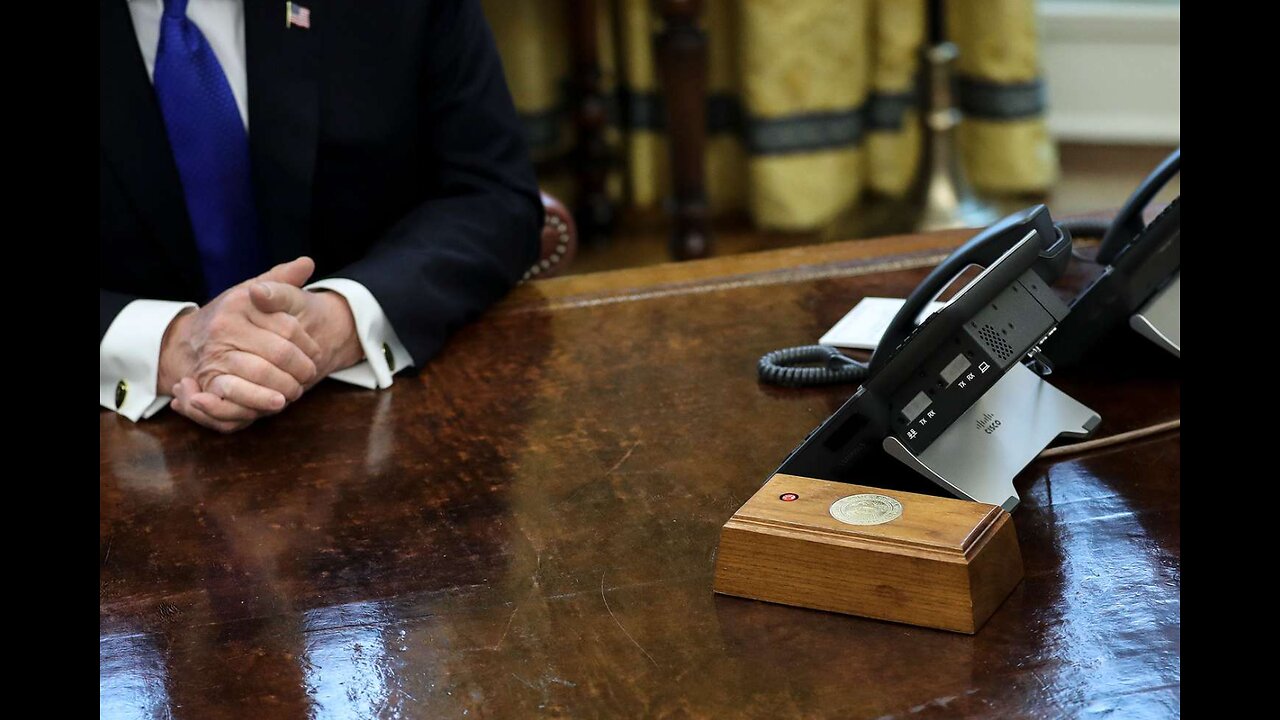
point(788, 497)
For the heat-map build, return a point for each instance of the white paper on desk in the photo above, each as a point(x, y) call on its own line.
point(863, 326)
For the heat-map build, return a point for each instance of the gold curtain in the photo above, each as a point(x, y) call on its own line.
point(811, 102)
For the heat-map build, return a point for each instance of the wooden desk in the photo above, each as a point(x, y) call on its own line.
point(528, 528)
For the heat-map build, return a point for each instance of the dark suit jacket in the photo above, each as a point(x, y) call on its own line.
point(384, 144)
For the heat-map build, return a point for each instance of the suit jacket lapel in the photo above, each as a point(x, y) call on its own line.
point(284, 105)
point(134, 142)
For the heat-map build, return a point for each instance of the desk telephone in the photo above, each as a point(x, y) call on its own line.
point(980, 358)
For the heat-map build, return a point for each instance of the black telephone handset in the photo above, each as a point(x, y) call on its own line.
point(1050, 258)
point(1127, 227)
point(1139, 261)
point(985, 250)
point(922, 379)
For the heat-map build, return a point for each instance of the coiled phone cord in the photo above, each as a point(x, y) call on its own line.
point(798, 367)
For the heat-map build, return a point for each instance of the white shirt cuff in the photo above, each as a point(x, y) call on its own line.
point(384, 354)
point(129, 358)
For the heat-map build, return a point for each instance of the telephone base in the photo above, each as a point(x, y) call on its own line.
point(986, 447)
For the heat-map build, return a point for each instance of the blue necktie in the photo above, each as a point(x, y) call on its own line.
point(211, 149)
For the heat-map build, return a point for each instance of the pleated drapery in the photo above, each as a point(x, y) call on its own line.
point(811, 102)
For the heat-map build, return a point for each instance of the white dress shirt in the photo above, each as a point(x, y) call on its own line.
point(129, 354)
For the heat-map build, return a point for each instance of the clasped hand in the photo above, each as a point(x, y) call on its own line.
point(255, 348)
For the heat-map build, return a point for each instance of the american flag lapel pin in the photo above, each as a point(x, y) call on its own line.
point(297, 16)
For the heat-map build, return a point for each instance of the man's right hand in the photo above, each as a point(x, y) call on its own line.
point(259, 361)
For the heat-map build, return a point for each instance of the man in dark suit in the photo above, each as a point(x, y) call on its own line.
point(246, 144)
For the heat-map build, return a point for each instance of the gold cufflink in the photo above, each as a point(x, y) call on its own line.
point(122, 390)
point(386, 353)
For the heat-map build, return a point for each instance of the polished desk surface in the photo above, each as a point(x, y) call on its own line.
point(528, 528)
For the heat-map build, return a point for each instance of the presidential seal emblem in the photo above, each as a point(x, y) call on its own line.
point(866, 509)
